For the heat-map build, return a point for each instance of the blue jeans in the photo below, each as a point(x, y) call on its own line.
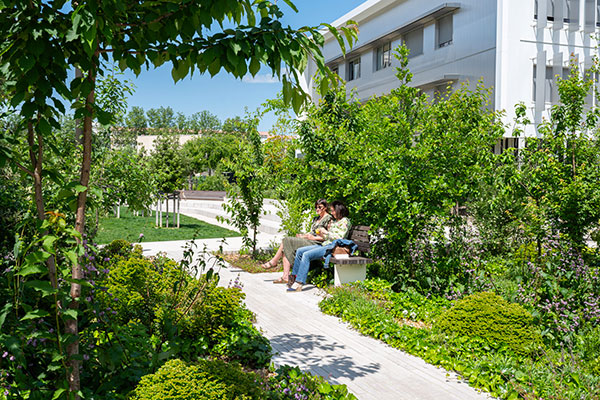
point(304, 255)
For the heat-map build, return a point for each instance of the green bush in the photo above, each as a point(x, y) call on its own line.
point(177, 380)
point(117, 248)
point(205, 380)
point(489, 316)
point(245, 344)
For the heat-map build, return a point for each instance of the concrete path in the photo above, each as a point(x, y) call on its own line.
point(301, 335)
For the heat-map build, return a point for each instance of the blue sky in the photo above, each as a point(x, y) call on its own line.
point(223, 95)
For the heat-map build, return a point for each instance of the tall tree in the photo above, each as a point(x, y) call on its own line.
point(161, 118)
point(44, 39)
point(204, 121)
point(136, 120)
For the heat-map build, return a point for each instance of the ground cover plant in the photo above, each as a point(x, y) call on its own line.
point(431, 329)
point(136, 228)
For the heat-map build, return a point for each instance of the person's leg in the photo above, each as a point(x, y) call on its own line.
point(272, 263)
point(314, 253)
point(286, 268)
point(299, 253)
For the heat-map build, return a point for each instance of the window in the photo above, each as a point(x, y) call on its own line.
point(598, 13)
point(354, 69)
point(335, 69)
point(383, 56)
point(535, 9)
point(444, 31)
point(414, 42)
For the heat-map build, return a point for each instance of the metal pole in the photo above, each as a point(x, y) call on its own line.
point(160, 210)
point(178, 210)
point(167, 209)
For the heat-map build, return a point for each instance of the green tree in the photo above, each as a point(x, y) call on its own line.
point(168, 163)
point(161, 118)
point(557, 175)
point(235, 125)
point(136, 120)
point(43, 40)
point(207, 152)
point(181, 122)
point(401, 162)
point(204, 121)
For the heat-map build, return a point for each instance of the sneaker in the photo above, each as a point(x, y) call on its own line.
point(296, 287)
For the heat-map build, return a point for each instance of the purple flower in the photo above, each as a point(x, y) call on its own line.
point(86, 357)
point(5, 354)
point(12, 358)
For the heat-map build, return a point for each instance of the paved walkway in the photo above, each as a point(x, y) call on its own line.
point(301, 335)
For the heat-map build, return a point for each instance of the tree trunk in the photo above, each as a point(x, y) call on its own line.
point(36, 151)
point(71, 325)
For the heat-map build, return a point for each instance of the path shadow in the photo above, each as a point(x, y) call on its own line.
point(319, 355)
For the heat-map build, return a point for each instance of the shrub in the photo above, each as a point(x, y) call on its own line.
point(117, 248)
point(245, 344)
point(489, 316)
point(205, 380)
point(177, 380)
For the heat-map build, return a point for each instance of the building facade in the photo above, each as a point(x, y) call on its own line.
point(518, 48)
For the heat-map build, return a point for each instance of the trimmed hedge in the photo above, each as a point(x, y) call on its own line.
point(489, 316)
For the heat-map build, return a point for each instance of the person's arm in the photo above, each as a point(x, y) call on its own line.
point(338, 229)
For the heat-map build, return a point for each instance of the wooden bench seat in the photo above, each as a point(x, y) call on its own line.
point(353, 268)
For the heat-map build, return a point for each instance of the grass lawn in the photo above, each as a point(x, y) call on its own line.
point(129, 227)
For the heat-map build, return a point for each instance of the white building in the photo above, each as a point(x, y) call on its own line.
point(501, 42)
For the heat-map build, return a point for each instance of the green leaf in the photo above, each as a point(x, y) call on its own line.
point(32, 269)
point(70, 313)
point(35, 314)
point(297, 100)
point(41, 286)
point(254, 66)
point(71, 256)
point(5, 310)
point(58, 393)
point(324, 388)
point(48, 243)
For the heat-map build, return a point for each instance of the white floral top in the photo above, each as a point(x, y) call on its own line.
point(337, 230)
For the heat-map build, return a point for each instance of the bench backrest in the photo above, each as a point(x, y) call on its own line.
point(359, 234)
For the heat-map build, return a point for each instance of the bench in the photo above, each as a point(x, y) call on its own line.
point(353, 268)
point(202, 195)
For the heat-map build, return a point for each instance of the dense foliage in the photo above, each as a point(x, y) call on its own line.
point(216, 380)
point(488, 316)
point(407, 321)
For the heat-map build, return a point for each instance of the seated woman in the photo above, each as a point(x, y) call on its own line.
point(338, 229)
point(289, 245)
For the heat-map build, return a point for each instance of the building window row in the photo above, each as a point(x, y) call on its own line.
point(413, 40)
point(568, 10)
